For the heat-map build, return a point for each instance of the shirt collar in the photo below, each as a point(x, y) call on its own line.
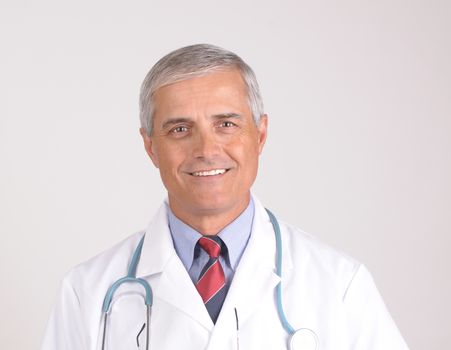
point(235, 236)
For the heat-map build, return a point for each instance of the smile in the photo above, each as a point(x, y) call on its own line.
point(209, 172)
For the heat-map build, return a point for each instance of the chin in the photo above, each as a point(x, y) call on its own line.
point(211, 202)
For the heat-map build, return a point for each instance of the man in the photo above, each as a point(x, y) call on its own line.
point(209, 255)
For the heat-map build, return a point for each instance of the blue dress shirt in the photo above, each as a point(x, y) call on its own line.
point(235, 236)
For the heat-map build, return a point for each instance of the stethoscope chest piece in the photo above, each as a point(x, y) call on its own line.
point(304, 339)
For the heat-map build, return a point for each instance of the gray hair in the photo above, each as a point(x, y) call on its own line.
point(194, 61)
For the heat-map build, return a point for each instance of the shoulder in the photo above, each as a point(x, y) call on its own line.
point(311, 257)
point(97, 273)
point(106, 266)
point(308, 255)
point(314, 248)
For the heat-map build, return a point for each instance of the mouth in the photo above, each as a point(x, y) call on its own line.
point(213, 172)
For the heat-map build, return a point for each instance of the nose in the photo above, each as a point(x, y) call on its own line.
point(206, 144)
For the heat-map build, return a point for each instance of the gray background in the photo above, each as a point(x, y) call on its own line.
point(359, 148)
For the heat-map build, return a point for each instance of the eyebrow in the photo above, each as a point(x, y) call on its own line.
point(173, 121)
point(226, 115)
point(168, 123)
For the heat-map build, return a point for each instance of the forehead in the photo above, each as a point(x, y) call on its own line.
point(218, 89)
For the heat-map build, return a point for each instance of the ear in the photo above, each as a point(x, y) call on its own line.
point(149, 147)
point(262, 132)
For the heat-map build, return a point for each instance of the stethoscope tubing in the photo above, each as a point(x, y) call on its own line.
point(283, 319)
point(131, 278)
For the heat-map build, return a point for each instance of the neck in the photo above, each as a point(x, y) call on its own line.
point(208, 221)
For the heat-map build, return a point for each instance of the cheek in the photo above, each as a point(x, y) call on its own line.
point(247, 156)
point(169, 159)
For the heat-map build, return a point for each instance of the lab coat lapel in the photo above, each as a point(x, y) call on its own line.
point(254, 279)
point(161, 266)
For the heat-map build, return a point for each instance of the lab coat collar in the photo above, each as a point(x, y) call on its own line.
point(158, 247)
point(163, 269)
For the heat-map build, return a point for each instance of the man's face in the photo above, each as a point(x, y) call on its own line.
point(205, 143)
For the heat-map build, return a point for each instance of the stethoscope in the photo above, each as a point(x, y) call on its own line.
point(300, 339)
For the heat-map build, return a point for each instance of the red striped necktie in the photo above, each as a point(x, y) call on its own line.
point(211, 282)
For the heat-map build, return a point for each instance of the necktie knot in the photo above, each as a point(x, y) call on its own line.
point(211, 245)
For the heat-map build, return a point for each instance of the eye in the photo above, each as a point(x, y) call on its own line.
point(226, 124)
point(178, 129)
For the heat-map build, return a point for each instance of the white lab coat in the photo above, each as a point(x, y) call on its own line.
point(323, 290)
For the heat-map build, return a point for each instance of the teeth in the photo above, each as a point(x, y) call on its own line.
point(209, 173)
